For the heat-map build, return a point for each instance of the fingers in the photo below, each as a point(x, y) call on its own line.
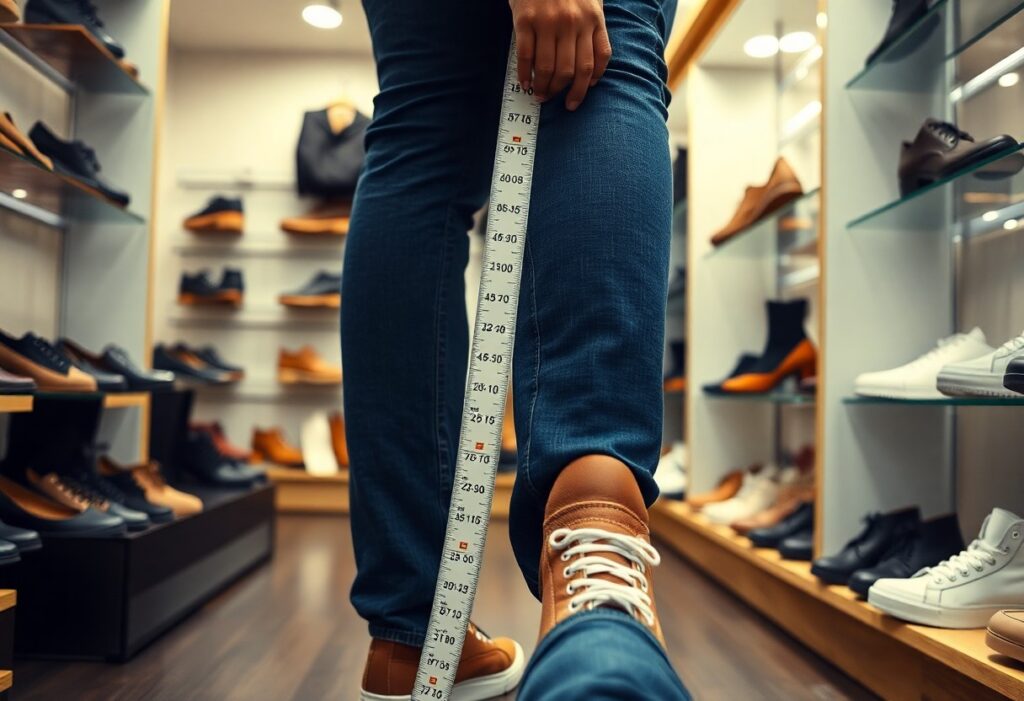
point(525, 41)
point(544, 63)
point(565, 62)
point(584, 72)
point(602, 52)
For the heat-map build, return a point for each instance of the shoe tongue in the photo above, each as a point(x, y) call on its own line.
point(995, 525)
point(977, 334)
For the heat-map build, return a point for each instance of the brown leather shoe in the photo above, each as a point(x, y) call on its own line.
point(487, 669)
point(1005, 634)
point(758, 201)
point(220, 440)
point(270, 446)
point(726, 489)
point(155, 488)
point(304, 366)
point(24, 144)
point(597, 547)
point(63, 493)
point(9, 11)
point(46, 379)
point(326, 219)
point(338, 440)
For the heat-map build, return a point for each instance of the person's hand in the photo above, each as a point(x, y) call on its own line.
point(560, 42)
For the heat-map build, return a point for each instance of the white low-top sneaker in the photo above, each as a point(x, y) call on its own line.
point(967, 589)
point(917, 379)
point(671, 475)
point(982, 377)
point(758, 492)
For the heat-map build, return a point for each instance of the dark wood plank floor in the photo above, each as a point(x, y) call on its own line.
point(287, 632)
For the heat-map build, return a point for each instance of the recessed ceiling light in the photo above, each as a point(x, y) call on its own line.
point(797, 42)
point(761, 46)
point(1008, 80)
point(821, 20)
point(1011, 224)
point(990, 216)
point(325, 15)
point(19, 193)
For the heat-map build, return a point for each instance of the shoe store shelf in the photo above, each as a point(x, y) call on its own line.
point(257, 317)
point(798, 220)
point(74, 54)
point(298, 492)
point(905, 661)
point(53, 198)
point(269, 391)
point(125, 400)
point(938, 401)
point(237, 179)
point(6, 680)
point(15, 404)
point(979, 191)
point(288, 248)
point(914, 61)
point(775, 397)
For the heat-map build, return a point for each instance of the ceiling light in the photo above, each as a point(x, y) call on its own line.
point(1008, 80)
point(991, 215)
point(761, 46)
point(821, 20)
point(1011, 224)
point(797, 42)
point(19, 194)
point(323, 15)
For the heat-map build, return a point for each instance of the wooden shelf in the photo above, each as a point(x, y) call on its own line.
point(125, 400)
point(6, 679)
point(300, 492)
point(74, 53)
point(8, 599)
point(896, 660)
point(15, 403)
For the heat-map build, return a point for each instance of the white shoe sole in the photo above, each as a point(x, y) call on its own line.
point(957, 384)
point(897, 392)
point(931, 615)
point(477, 689)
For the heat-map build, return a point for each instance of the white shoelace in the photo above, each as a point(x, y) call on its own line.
point(977, 555)
point(1011, 346)
point(943, 346)
point(631, 594)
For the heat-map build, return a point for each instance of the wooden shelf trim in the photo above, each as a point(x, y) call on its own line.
point(705, 19)
point(6, 679)
point(125, 400)
point(8, 599)
point(15, 403)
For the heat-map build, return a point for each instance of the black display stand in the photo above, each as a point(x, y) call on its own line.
point(6, 644)
point(106, 598)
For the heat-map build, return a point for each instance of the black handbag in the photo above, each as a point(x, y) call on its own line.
point(328, 164)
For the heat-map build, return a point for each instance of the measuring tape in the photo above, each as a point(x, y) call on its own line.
point(483, 412)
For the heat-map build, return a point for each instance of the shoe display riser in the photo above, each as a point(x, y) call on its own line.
point(106, 598)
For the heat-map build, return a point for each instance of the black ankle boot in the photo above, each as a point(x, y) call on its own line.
point(786, 352)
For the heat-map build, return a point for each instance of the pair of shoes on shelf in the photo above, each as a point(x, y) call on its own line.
point(76, 160)
point(200, 365)
point(759, 201)
point(270, 445)
point(147, 490)
point(306, 367)
point(328, 218)
point(765, 528)
point(73, 12)
point(196, 289)
point(226, 215)
point(205, 463)
point(787, 353)
point(792, 536)
point(221, 215)
point(323, 291)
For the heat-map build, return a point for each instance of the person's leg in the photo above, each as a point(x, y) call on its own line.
point(404, 327)
point(601, 655)
point(588, 356)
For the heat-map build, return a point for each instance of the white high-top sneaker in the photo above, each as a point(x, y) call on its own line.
point(967, 589)
point(671, 473)
point(982, 377)
point(917, 379)
point(758, 492)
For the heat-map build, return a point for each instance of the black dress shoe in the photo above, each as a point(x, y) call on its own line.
point(867, 549)
point(166, 359)
point(24, 508)
point(800, 520)
point(197, 289)
point(9, 553)
point(202, 461)
point(81, 12)
point(1013, 379)
point(904, 14)
point(26, 540)
point(940, 149)
point(75, 159)
point(746, 362)
point(233, 280)
point(211, 357)
point(133, 496)
point(106, 381)
point(799, 546)
point(106, 497)
point(929, 544)
point(116, 359)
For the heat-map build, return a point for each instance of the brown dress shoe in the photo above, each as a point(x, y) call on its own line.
point(326, 219)
point(726, 489)
point(338, 440)
point(487, 669)
point(23, 143)
point(597, 548)
point(225, 447)
point(304, 366)
point(154, 487)
point(782, 188)
point(63, 493)
point(270, 446)
point(1005, 634)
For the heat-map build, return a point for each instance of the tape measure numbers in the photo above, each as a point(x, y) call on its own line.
point(483, 412)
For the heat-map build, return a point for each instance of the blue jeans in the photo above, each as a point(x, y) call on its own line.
point(588, 355)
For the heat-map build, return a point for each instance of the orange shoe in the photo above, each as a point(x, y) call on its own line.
point(727, 488)
point(782, 188)
point(675, 384)
point(802, 361)
point(270, 446)
point(488, 668)
point(338, 440)
point(155, 488)
point(326, 219)
point(304, 366)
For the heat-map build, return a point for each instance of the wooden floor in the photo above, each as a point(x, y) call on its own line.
point(287, 633)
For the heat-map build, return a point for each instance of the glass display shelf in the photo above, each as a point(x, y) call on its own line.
point(774, 397)
point(55, 194)
point(938, 401)
point(977, 189)
point(914, 61)
point(792, 225)
point(75, 54)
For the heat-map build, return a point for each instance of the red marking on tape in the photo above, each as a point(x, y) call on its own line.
point(463, 545)
point(517, 139)
point(433, 680)
point(479, 446)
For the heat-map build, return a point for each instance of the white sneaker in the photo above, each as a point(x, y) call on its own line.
point(671, 474)
point(982, 377)
point(967, 589)
point(758, 492)
point(317, 449)
point(917, 379)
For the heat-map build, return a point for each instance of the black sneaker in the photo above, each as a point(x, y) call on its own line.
point(167, 359)
point(204, 463)
point(322, 291)
point(868, 547)
point(76, 160)
point(81, 12)
point(116, 359)
point(197, 289)
point(220, 215)
point(1013, 379)
point(211, 357)
point(232, 280)
point(800, 520)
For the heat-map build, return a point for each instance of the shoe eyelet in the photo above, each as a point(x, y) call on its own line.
point(573, 606)
point(568, 589)
point(566, 572)
point(565, 557)
point(1016, 534)
point(643, 585)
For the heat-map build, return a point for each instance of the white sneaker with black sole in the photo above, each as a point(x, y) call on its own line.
point(982, 377)
point(966, 590)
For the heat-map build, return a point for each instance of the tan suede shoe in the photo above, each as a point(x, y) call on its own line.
point(1005, 634)
point(726, 489)
point(270, 446)
point(304, 366)
point(154, 487)
point(326, 219)
point(487, 668)
point(597, 547)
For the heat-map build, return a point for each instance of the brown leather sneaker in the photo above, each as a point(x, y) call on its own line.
point(270, 446)
point(1005, 634)
point(338, 440)
point(304, 366)
point(487, 669)
point(597, 547)
point(782, 188)
point(154, 487)
point(326, 219)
